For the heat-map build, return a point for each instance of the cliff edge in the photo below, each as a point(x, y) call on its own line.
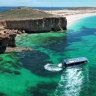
point(26, 20)
point(31, 20)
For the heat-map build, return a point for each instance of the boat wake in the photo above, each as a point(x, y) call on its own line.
point(70, 83)
point(52, 67)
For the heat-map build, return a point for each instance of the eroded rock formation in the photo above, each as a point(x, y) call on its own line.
point(6, 39)
point(9, 29)
point(36, 25)
point(26, 20)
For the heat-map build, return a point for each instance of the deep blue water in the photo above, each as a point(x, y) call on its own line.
point(41, 8)
point(6, 8)
point(49, 8)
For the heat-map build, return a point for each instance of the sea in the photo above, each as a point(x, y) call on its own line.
point(23, 73)
point(41, 8)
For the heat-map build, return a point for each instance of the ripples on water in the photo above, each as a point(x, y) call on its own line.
point(23, 74)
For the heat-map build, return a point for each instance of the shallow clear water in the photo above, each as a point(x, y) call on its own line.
point(23, 74)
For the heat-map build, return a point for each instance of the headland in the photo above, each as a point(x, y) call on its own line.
point(26, 20)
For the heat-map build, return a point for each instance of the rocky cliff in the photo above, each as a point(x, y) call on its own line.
point(36, 25)
point(8, 43)
point(6, 39)
point(29, 20)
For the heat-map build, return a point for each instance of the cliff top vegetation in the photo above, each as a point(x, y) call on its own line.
point(23, 13)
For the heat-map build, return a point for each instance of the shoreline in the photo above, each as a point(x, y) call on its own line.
point(59, 20)
point(73, 14)
point(12, 23)
point(73, 18)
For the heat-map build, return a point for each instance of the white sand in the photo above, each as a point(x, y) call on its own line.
point(73, 15)
point(73, 18)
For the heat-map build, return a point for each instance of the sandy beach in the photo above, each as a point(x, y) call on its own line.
point(73, 18)
point(74, 14)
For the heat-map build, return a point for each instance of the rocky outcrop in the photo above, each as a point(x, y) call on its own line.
point(9, 29)
point(6, 39)
point(36, 25)
point(26, 20)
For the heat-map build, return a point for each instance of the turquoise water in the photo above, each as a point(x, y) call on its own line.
point(23, 74)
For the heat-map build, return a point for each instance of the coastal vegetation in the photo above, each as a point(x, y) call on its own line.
point(23, 13)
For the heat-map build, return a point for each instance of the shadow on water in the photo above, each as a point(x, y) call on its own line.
point(42, 89)
point(35, 61)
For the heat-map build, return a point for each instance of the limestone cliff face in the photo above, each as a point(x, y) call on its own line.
point(6, 39)
point(9, 28)
point(36, 25)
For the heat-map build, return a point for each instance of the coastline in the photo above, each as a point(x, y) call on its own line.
point(34, 21)
point(56, 20)
point(73, 18)
point(73, 14)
